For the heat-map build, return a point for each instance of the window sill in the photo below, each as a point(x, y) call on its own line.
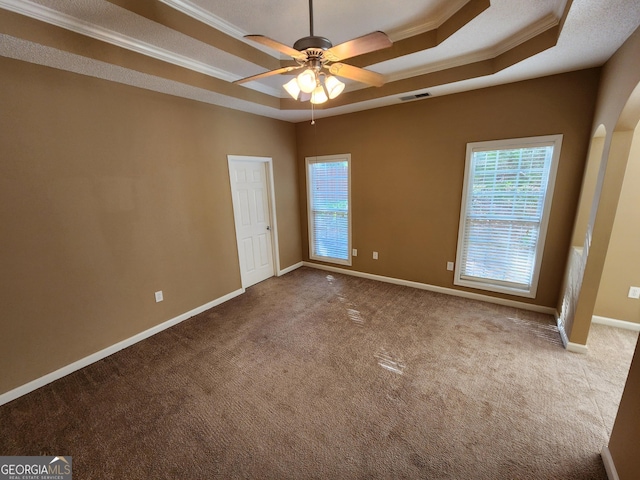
point(336, 261)
point(490, 287)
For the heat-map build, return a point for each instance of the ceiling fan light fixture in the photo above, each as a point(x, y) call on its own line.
point(307, 81)
point(293, 88)
point(319, 96)
point(333, 86)
point(313, 55)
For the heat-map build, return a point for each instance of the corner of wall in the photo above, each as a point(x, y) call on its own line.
point(609, 466)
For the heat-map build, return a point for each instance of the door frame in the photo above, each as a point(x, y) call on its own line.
point(268, 164)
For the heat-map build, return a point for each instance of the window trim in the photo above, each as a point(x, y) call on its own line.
point(527, 142)
point(325, 159)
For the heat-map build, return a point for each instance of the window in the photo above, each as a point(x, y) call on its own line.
point(508, 186)
point(328, 198)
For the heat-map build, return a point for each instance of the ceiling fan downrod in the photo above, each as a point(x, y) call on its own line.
point(312, 42)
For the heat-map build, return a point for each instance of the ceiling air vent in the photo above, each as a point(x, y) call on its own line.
point(415, 97)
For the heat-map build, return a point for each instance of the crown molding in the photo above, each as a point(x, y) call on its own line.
point(533, 30)
point(449, 9)
point(438, 66)
point(204, 16)
point(541, 26)
point(62, 20)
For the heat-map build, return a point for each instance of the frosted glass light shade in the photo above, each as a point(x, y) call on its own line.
point(292, 88)
point(307, 81)
point(318, 95)
point(334, 87)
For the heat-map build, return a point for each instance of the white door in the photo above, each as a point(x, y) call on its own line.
point(252, 217)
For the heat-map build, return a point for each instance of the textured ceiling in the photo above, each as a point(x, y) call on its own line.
point(194, 48)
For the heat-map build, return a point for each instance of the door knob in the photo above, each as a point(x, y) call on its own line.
point(268, 227)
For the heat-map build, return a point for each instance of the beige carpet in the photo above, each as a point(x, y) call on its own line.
point(316, 375)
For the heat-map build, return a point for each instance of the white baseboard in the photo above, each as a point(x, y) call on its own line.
point(609, 466)
point(64, 371)
point(434, 288)
point(293, 267)
point(570, 346)
point(612, 322)
point(576, 347)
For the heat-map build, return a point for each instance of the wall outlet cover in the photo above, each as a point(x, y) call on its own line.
point(450, 266)
point(159, 296)
point(634, 292)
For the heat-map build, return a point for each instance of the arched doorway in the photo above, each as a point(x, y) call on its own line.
point(585, 268)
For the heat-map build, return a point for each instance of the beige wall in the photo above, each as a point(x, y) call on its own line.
point(588, 191)
point(408, 164)
point(618, 110)
point(625, 436)
point(109, 193)
point(622, 264)
point(620, 77)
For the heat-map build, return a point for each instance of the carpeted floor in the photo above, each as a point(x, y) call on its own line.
point(316, 375)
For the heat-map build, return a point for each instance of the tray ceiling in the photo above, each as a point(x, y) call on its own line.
point(195, 48)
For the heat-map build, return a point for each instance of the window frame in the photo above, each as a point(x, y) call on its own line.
point(514, 143)
point(326, 159)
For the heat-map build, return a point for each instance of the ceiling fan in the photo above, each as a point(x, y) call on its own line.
point(317, 55)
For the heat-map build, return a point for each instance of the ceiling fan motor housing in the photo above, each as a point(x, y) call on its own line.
point(314, 42)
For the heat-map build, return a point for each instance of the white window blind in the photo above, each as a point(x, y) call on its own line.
point(328, 199)
point(507, 197)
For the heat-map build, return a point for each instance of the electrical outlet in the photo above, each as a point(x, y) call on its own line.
point(354, 252)
point(159, 296)
point(450, 266)
point(375, 255)
point(634, 292)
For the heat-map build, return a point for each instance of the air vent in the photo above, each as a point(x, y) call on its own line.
point(415, 97)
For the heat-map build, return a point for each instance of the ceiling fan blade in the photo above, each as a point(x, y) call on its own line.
point(267, 74)
point(359, 46)
point(358, 74)
point(275, 45)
